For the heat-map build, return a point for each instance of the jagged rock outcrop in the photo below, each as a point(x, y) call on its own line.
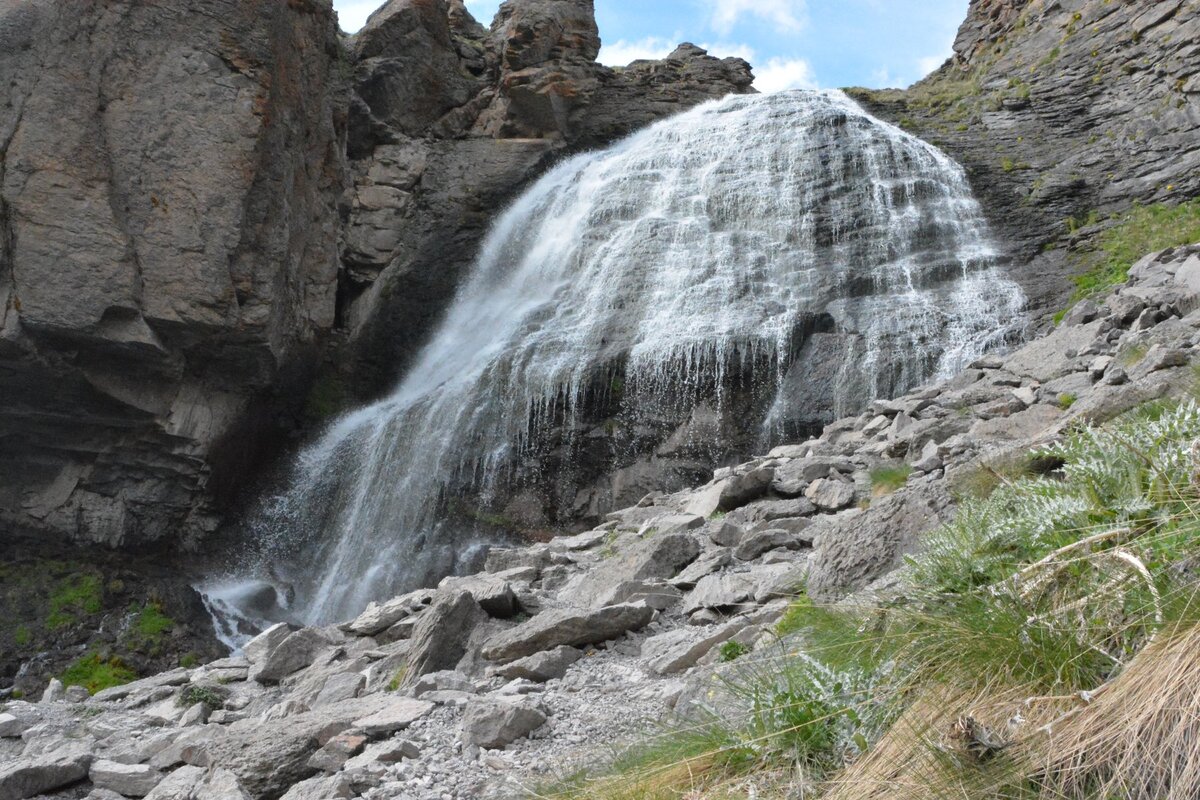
point(491, 726)
point(449, 121)
point(1063, 109)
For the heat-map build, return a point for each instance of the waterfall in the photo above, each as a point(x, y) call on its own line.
point(691, 250)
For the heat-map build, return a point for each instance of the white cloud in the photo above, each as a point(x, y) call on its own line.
point(786, 14)
point(728, 50)
point(779, 74)
point(623, 51)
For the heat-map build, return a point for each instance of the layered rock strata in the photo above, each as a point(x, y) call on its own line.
point(1063, 112)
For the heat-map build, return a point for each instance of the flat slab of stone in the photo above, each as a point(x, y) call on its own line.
point(381, 616)
point(396, 716)
point(680, 649)
point(131, 780)
point(572, 627)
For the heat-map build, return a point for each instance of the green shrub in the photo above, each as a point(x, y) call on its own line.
point(1066, 400)
point(195, 693)
point(95, 673)
point(732, 651)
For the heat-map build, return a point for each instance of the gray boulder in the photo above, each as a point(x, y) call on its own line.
point(337, 751)
point(744, 488)
point(440, 638)
point(541, 667)
point(572, 627)
point(705, 565)
point(380, 616)
point(397, 715)
point(680, 649)
point(853, 549)
point(11, 727)
point(719, 592)
point(34, 775)
point(295, 652)
point(829, 494)
point(758, 543)
point(657, 556)
point(493, 724)
point(493, 594)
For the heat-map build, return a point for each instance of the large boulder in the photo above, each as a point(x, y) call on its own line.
point(34, 775)
point(130, 780)
point(573, 627)
point(855, 548)
point(656, 556)
point(440, 638)
point(294, 652)
point(493, 723)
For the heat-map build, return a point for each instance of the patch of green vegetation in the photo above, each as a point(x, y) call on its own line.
point(78, 594)
point(397, 679)
point(189, 660)
point(609, 548)
point(1131, 355)
point(796, 616)
point(22, 636)
point(886, 479)
point(199, 693)
point(96, 673)
point(151, 623)
point(732, 651)
point(1066, 400)
point(979, 481)
point(1142, 230)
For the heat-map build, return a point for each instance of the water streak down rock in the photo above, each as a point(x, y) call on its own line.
point(790, 243)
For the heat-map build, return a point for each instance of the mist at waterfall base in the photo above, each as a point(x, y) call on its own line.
point(724, 242)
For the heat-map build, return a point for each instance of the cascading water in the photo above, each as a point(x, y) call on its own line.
point(698, 246)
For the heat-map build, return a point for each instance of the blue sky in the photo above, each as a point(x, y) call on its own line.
point(790, 43)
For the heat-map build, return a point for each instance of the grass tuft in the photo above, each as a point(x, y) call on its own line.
point(887, 479)
point(1143, 229)
point(95, 673)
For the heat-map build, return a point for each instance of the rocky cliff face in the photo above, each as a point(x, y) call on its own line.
point(1063, 112)
point(450, 121)
point(197, 200)
point(168, 181)
point(178, 236)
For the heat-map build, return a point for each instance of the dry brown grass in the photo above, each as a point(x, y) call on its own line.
point(950, 743)
point(1140, 739)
